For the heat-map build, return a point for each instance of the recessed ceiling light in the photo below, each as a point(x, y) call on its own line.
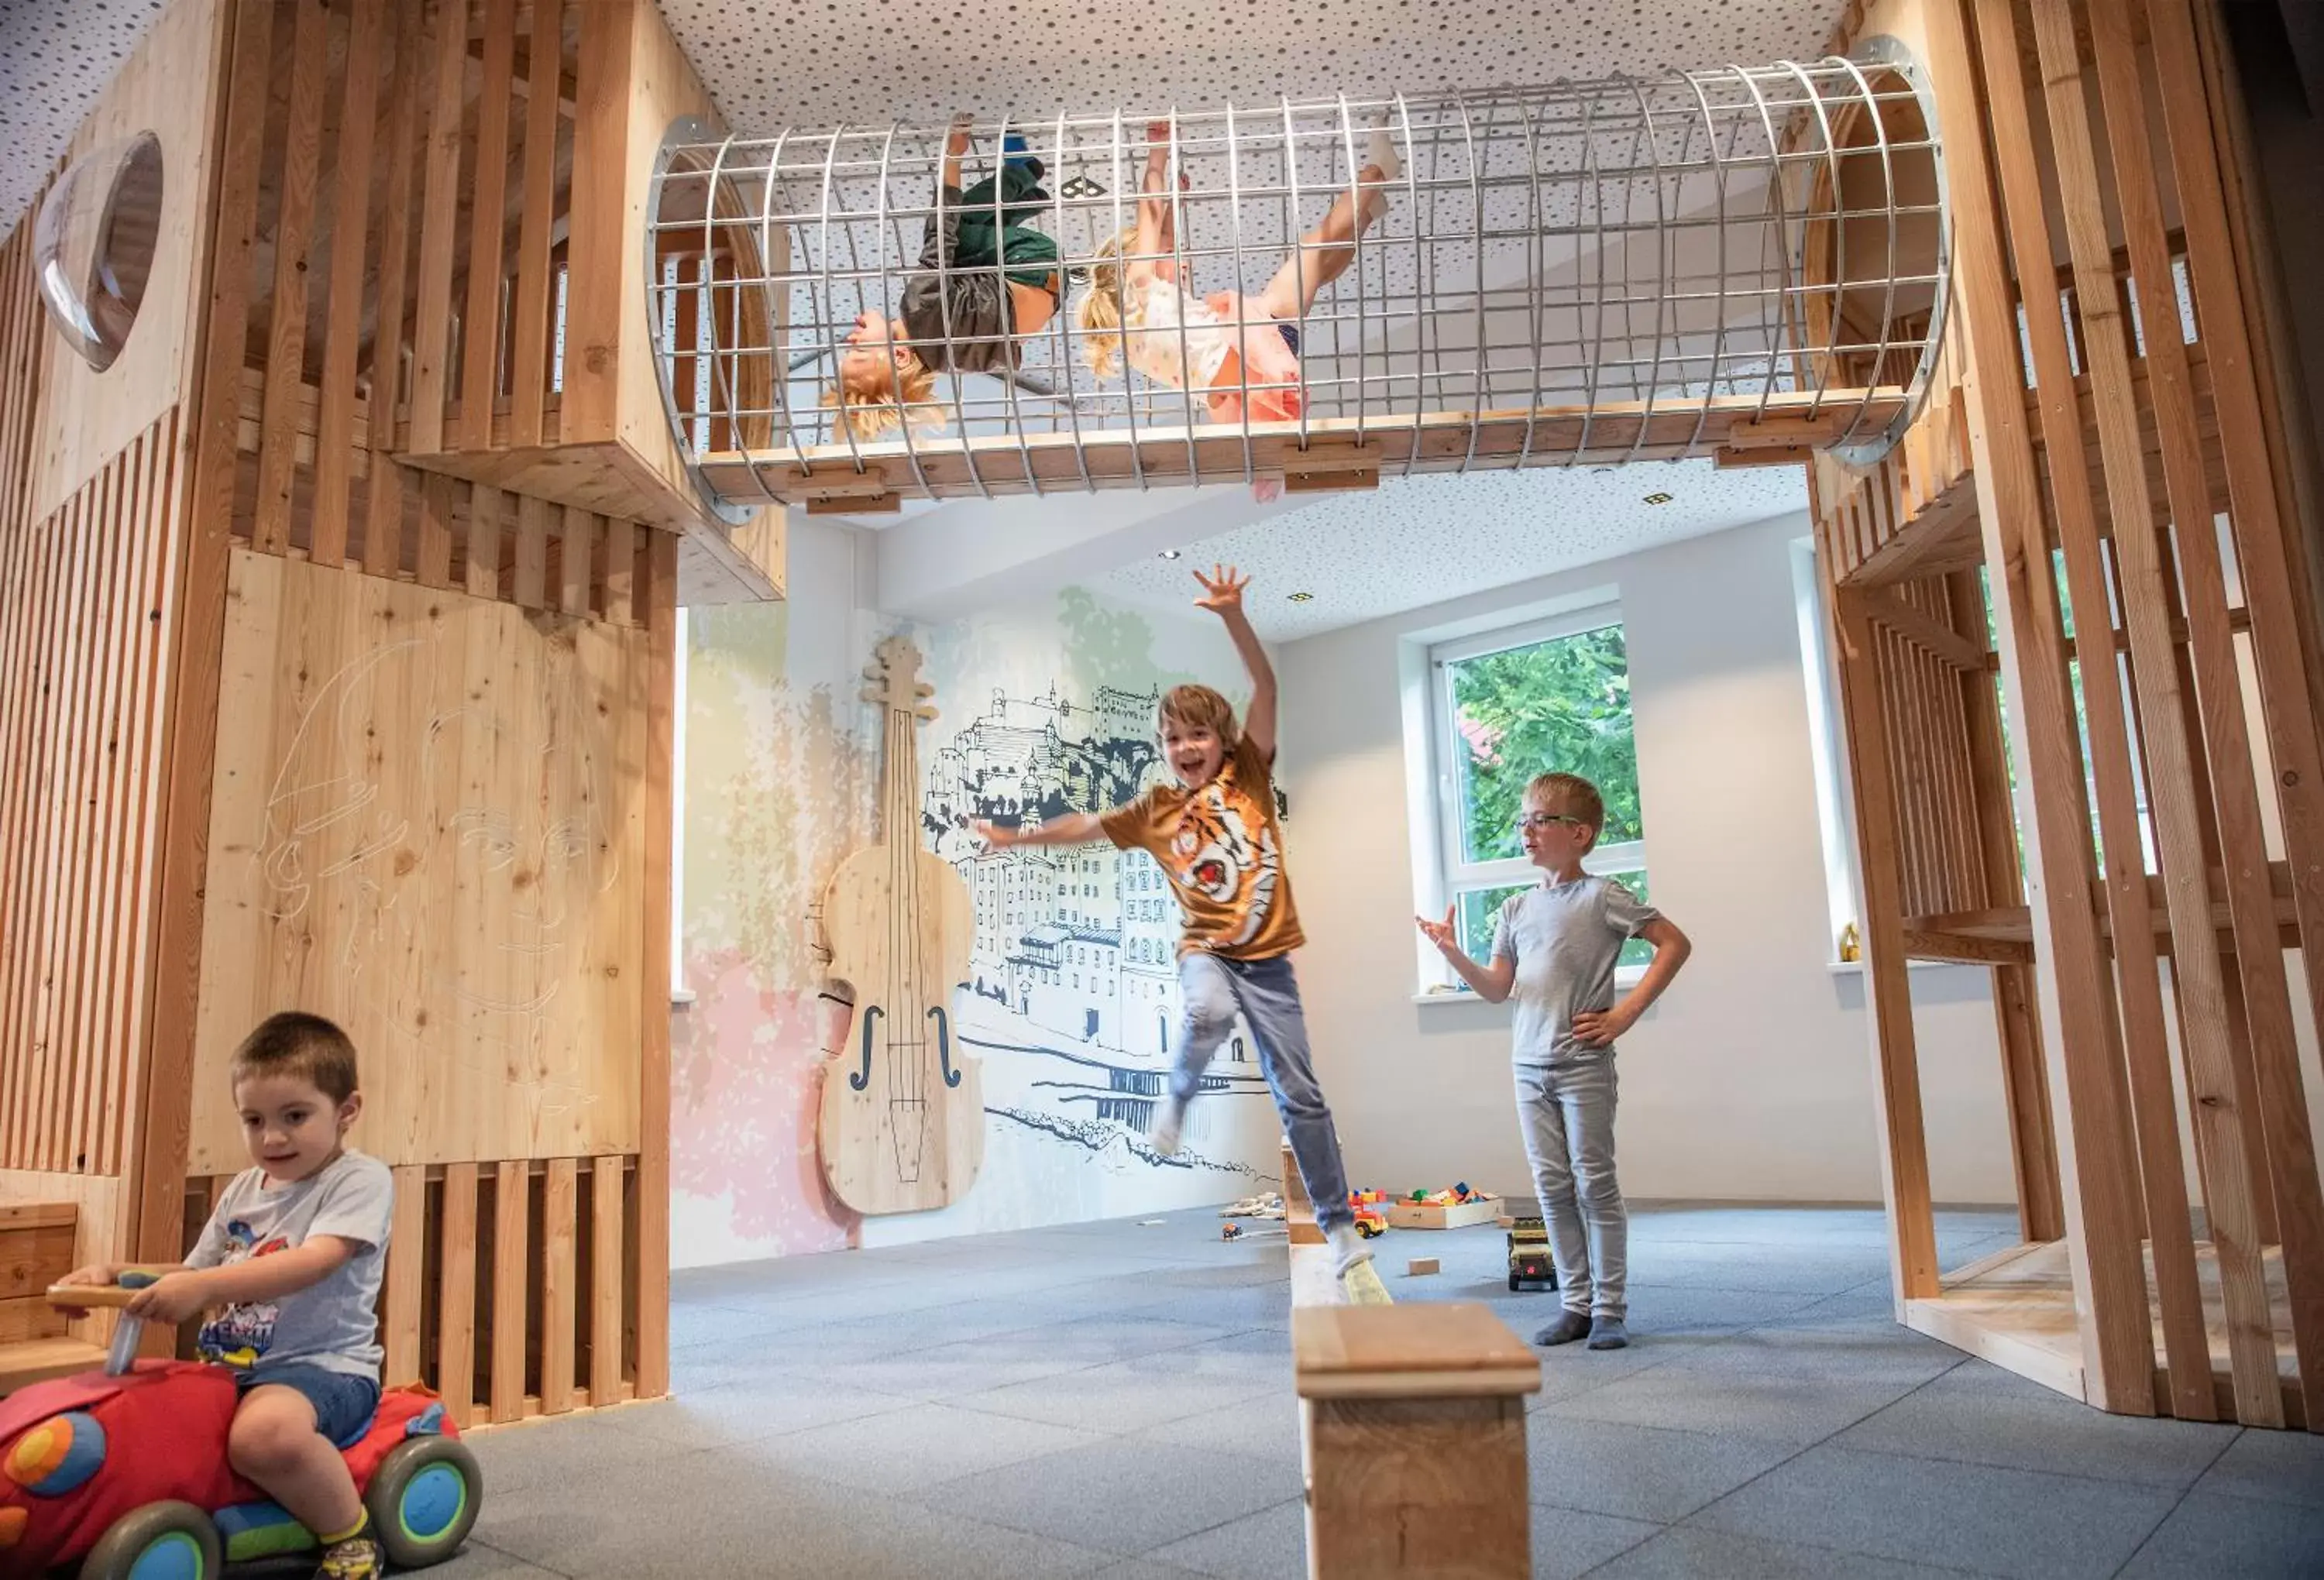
point(1658, 498)
point(1167, 554)
point(1303, 598)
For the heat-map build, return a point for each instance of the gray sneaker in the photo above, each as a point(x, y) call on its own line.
point(1608, 1333)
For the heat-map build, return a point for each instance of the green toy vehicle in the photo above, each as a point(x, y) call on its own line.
point(1529, 1259)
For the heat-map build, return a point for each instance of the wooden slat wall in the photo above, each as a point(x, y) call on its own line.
point(515, 1268)
point(2117, 466)
point(84, 646)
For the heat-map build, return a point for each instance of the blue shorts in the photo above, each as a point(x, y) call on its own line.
point(344, 1401)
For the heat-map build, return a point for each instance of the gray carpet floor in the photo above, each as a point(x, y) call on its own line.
point(1114, 1399)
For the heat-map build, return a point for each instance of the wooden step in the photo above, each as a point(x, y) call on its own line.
point(36, 1360)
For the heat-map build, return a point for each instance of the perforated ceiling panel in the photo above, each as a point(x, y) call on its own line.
point(56, 56)
point(821, 62)
point(1362, 556)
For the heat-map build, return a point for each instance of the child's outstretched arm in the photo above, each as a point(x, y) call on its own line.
point(1491, 982)
point(189, 1290)
point(1223, 596)
point(1596, 1027)
point(1075, 828)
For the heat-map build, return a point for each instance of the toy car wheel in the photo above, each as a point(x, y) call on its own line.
point(161, 1541)
point(1515, 1283)
point(423, 1499)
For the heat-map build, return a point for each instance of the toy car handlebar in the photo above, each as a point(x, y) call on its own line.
point(129, 1331)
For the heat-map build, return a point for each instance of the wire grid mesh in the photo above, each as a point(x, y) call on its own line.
point(1582, 272)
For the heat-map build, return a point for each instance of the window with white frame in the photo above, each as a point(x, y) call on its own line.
point(1505, 705)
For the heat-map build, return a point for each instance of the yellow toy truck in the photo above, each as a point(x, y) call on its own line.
point(1529, 1259)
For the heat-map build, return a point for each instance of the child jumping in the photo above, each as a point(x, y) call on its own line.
point(1137, 307)
point(1215, 835)
point(985, 280)
point(1554, 950)
point(289, 1269)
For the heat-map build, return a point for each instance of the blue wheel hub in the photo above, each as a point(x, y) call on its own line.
point(433, 1503)
point(174, 1556)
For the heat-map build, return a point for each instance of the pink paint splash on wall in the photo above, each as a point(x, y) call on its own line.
point(745, 1071)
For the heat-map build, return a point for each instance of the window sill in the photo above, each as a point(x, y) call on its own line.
point(679, 998)
point(1855, 967)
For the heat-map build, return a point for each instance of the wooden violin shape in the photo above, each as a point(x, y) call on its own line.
point(901, 1127)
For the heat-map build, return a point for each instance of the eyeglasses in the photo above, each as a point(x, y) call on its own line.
point(1542, 820)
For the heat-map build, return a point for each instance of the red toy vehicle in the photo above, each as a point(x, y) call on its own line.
point(127, 1476)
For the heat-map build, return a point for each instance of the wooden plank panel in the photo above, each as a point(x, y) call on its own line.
point(607, 1279)
point(112, 641)
point(432, 323)
point(653, 1081)
point(530, 588)
point(621, 571)
point(434, 566)
point(161, 615)
point(533, 307)
point(486, 508)
point(2195, 966)
point(286, 337)
point(50, 625)
point(60, 826)
point(599, 242)
point(406, 1260)
point(2077, 995)
point(2290, 707)
point(55, 1126)
point(559, 1288)
point(511, 1270)
point(334, 432)
point(578, 552)
point(480, 371)
point(455, 1320)
point(382, 544)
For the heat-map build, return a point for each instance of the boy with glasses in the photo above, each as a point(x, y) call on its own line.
point(1554, 951)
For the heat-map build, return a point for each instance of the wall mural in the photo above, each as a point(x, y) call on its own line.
point(1070, 1000)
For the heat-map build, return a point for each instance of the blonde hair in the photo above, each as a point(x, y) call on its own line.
point(1576, 794)
point(870, 411)
point(1197, 707)
point(1103, 305)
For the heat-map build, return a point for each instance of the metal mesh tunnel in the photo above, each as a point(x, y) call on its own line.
point(1746, 262)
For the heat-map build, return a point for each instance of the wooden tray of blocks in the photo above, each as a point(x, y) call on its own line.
point(1431, 1215)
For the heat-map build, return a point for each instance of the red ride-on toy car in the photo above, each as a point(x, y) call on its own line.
point(127, 1476)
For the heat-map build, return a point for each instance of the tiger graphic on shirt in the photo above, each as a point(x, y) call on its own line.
point(1213, 854)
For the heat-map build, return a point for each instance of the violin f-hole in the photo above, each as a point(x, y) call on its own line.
point(944, 1045)
point(857, 1080)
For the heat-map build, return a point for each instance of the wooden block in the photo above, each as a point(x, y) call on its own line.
point(1413, 1427)
point(558, 1286)
point(605, 1279)
point(511, 1279)
point(1431, 1351)
point(1421, 1266)
point(456, 1284)
point(399, 1326)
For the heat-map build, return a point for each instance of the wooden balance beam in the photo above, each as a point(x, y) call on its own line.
point(1412, 1430)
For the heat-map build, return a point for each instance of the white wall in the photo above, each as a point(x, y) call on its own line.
point(1752, 1080)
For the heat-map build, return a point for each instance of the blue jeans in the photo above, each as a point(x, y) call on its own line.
point(1567, 1115)
point(1267, 995)
point(344, 1401)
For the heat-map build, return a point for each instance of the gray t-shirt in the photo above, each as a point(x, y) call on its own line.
point(1564, 938)
point(333, 1323)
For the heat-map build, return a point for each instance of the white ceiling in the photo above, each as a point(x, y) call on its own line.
point(1425, 539)
point(56, 56)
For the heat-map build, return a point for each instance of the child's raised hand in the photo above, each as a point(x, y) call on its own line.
point(1222, 590)
point(1442, 934)
point(994, 838)
point(956, 144)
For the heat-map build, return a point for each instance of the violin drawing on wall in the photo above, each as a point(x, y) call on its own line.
point(901, 1127)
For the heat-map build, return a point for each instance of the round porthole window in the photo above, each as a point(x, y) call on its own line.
point(93, 244)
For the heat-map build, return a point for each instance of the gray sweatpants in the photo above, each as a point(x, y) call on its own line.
point(1267, 995)
point(1567, 1115)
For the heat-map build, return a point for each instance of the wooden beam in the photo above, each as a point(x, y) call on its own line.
point(2195, 964)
